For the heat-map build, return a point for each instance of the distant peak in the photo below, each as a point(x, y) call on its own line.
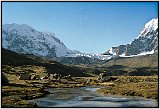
point(152, 25)
point(15, 25)
point(152, 22)
point(49, 33)
point(25, 25)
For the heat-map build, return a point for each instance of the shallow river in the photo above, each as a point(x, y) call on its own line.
point(88, 97)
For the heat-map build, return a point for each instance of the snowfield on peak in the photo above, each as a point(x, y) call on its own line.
point(25, 39)
point(152, 25)
point(145, 43)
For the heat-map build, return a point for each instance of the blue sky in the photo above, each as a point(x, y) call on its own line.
point(90, 27)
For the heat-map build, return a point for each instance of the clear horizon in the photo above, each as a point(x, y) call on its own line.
point(89, 27)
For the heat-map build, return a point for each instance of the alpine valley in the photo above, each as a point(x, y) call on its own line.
point(26, 40)
point(32, 77)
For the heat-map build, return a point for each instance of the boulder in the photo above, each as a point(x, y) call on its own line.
point(67, 77)
point(45, 77)
point(88, 81)
point(4, 80)
point(35, 77)
point(51, 76)
point(55, 75)
point(100, 77)
point(25, 76)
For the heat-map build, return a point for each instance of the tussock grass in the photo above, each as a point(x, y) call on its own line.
point(144, 86)
point(150, 61)
point(13, 96)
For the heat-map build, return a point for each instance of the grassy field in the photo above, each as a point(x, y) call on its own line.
point(18, 92)
point(13, 96)
point(132, 66)
point(150, 61)
point(144, 86)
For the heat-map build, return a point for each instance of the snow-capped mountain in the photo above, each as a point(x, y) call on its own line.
point(25, 39)
point(145, 43)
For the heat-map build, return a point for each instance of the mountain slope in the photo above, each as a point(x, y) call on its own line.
point(79, 60)
point(146, 42)
point(25, 39)
point(138, 65)
point(14, 59)
point(150, 61)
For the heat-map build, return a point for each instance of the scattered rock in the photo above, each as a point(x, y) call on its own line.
point(35, 77)
point(67, 77)
point(25, 76)
point(88, 81)
point(45, 77)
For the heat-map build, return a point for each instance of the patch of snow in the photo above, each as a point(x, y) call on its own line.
point(112, 51)
point(122, 55)
point(141, 54)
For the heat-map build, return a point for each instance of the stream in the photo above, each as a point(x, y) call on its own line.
point(88, 97)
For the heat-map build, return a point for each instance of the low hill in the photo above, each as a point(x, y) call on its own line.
point(150, 61)
point(79, 60)
point(14, 59)
point(138, 65)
